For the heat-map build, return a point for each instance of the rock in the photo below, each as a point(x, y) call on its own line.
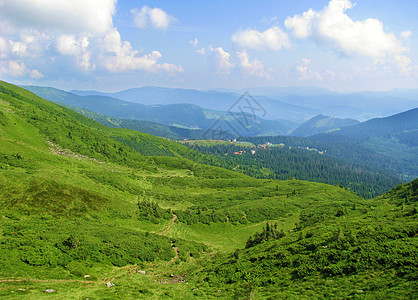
point(49, 291)
point(142, 272)
point(110, 284)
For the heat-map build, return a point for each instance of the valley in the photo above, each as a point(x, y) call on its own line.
point(189, 150)
point(83, 205)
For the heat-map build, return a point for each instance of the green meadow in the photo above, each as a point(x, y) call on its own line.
point(82, 205)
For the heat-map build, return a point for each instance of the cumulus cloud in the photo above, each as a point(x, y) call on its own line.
point(152, 17)
point(28, 45)
point(366, 37)
point(305, 73)
point(4, 48)
point(81, 29)
point(67, 15)
point(35, 74)
point(406, 34)
point(121, 57)
point(17, 69)
point(273, 38)
point(194, 42)
point(201, 51)
point(253, 68)
point(221, 59)
point(78, 47)
point(67, 45)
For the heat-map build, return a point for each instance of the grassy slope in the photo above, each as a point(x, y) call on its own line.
point(366, 252)
point(68, 206)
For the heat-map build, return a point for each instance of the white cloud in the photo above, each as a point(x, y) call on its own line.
point(272, 39)
point(221, 59)
point(67, 45)
point(13, 68)
point(18, 48)
point(406, 34)
point(66, 15)
point(80, 29)
point(4, 48)
point(366, 38)
point(302, 25)
point(70, 45)
point(201, 51)
point(194, 42)
point(29, 45)
point(253, 68)
point(305, 73)
point(404, 63)
point(35, 74)
point(152, 17)
point(331, 74)
point(120, 57)
point(17, 69)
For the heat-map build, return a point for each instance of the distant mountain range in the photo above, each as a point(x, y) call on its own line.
point(405, 122)
point(214, 100)
point(322, 124)
point(360, 105)
point(200, 110)
point(296, 104)
point(182, 115)
point(394, 139)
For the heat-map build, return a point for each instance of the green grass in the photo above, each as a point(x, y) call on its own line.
point(69, 193)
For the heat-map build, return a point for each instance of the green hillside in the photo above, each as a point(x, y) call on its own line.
point(157, 129)
point(367, 252)
point(82, 205)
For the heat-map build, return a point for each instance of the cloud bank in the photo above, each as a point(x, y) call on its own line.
point(152, 17)
point(366, 38)
point(273, 38)
point(81, 29)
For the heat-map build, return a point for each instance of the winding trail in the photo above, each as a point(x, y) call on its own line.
point(171, 225)
point(176, 250)
point(47, 280)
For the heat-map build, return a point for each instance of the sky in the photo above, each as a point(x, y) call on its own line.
point(110, 45)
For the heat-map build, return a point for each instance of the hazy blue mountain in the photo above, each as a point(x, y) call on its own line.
point(278, 92)
point(157, 129)
point(356, 106)
point(291, 103)
point(383, 127)
point(393, 138)
point(214, 100)
point(322, 124)
point(180, 115)
point(399, 93)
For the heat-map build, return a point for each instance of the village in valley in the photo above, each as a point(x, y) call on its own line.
point(252, 148)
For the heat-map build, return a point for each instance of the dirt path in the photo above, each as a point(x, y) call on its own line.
point(175, 250)
point(171, 225)
point(47, 280)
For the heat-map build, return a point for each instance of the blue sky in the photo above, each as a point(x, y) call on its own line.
point(111, 45)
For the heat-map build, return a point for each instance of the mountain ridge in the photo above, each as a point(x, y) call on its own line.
point(322, 124)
